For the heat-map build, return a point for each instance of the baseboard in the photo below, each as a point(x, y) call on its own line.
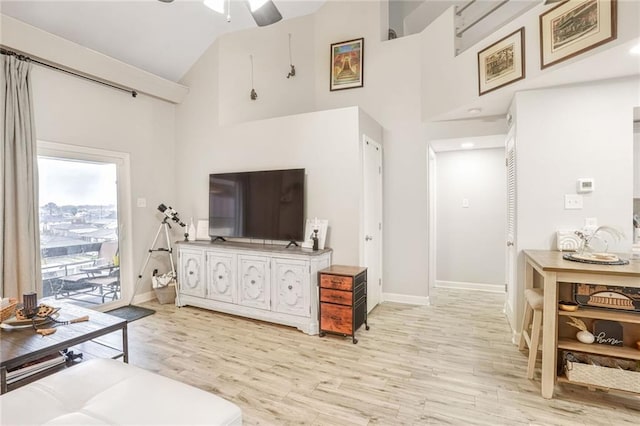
point(457, 285)
point(406, 299)
point(144, 297)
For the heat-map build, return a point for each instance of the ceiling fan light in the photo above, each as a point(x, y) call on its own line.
point(256, 4)
point(266, 14)
point(216, 5)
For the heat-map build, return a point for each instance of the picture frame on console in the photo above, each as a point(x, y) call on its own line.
point(322, 225)
point(574, 27)
point(502, 63)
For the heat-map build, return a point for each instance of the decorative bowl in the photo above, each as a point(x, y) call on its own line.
point(568, 306)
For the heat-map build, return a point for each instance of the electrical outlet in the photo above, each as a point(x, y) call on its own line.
point(465, 203)
point(142, 202)
point(591, 223)
point(572, 202)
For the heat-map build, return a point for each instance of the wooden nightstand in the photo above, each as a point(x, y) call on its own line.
point(343, 300)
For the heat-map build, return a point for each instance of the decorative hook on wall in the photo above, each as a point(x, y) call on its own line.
point(292, 72)
point(253, 93)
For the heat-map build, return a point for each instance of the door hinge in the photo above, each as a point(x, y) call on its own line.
point(506, 162)
point(380, 226)
point(379, 170)
point(506, 288)
point(379, 281)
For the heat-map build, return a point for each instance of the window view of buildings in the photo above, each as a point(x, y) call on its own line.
point(78, 215)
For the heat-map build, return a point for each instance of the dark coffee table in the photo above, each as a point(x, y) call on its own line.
point(20, 346)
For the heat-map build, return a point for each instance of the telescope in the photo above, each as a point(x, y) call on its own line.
point(170, 213)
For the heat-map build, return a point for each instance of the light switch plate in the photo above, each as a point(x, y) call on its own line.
point(465, 203)
point(142, 202)
point(572, 202)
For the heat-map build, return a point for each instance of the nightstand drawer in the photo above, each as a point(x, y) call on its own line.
point(336, 318)
point(336, 296)
point(336, 282)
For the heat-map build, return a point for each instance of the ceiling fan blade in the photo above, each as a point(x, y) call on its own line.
point(267, 14)
point(552, 1)
point(166, 1)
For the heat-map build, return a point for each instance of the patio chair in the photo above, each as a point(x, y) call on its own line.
point(100, 268)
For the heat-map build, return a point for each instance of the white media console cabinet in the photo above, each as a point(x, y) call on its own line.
point(261, 281)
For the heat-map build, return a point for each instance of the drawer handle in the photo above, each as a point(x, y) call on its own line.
point(290, 287)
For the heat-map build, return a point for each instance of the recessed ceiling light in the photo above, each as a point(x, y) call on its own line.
point(635, 50)
point(474, 110)
point(467, 145)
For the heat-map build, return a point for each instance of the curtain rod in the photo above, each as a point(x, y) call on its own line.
point(21, 57)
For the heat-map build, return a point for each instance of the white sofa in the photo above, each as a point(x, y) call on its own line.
point(105, 391)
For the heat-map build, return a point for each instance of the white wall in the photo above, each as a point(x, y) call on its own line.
point(567, 133)
point(454, 81)
point(471, 240)
point(73, 111)
point(325, 143)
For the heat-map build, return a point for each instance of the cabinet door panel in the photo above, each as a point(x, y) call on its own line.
point(191, 278)
point(221, 277)
point(254, 282)
point(291, 281)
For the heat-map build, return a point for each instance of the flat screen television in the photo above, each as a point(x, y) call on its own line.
point(264, 204)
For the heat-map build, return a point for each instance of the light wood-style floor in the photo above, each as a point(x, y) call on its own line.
point(450, 364)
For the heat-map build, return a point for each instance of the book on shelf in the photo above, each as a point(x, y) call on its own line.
point(33, 367)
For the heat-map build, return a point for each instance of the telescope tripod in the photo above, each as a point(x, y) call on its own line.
point(163, 226)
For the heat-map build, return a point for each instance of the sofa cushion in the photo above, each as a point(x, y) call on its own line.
point(105, 391)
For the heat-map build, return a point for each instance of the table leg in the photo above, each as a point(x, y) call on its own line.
point(125, 344)
point(549, 334)
point(3, 380)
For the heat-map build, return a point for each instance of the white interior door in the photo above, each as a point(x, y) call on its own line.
point(511, 252)
point(372, 199)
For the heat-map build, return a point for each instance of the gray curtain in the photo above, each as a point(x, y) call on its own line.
point(19, 234)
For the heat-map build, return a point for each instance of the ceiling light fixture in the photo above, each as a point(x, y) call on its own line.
point(467, 145)
point(264, 12)
point(215, 5)
point(474, 110)
point(256, 4)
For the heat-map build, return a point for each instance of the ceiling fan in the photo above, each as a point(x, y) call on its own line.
point(545, 3)
point(264, 12)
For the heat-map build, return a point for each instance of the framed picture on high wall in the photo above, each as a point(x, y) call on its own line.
point(347, 59)
point(501, 63)
point(575, 26)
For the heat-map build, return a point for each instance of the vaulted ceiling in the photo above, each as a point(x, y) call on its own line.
point(165, 39)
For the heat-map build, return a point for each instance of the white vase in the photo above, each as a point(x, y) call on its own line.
point(585, 337)
point(192, 231)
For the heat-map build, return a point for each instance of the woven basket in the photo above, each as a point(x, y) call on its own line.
point(610, 378)
point(8, 311)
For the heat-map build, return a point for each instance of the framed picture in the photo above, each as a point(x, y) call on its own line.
point(321, 225)
point(347, 64)
point(501, 63)
point(575, 26)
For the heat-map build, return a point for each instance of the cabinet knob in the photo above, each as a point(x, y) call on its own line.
point(253, 281)
point(290, 287)
point(219, 277)
point(190, 272)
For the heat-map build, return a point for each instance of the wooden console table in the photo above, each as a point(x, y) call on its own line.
point(20, 346)
point(548, 269)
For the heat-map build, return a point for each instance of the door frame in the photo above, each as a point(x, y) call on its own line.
point(366, 139)
point(431, 224)
point(123, 177)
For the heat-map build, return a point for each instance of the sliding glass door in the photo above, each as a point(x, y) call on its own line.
point(79, 227)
